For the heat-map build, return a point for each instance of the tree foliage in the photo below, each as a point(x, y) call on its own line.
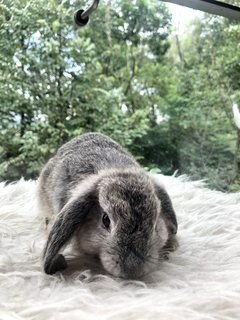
point(207, 69)
point(165, 97)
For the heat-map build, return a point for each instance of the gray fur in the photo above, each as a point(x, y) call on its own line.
point(92, 175)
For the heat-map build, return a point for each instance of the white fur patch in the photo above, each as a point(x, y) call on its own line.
point(201, 280)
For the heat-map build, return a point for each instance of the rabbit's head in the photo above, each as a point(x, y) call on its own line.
point(121, 216)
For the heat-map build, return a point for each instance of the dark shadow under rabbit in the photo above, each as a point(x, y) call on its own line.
point(94, 193)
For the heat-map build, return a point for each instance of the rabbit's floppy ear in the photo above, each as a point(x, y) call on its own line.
point(167, 211)
point(68, 220)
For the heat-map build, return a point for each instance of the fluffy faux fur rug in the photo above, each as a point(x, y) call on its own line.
point(201, 280)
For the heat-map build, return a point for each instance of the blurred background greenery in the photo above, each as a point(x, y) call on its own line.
point(165, 96)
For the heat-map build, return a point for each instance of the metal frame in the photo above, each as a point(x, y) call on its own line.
point(90, 9)
point(219, 8)
point(211, 6)
point(81, 17)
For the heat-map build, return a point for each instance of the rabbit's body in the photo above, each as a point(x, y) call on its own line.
point(75, 161)
point(98, 193)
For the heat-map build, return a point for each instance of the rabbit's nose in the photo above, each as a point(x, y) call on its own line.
point(132, 266)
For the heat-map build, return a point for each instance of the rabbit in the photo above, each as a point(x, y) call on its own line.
point(95, 192)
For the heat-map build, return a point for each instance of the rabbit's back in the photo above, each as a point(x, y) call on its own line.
point(91, 152)
point(88, 141)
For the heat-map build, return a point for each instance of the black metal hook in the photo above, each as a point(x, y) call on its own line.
point(81, 17)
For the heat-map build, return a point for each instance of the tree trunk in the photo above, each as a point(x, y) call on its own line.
point(236, 160)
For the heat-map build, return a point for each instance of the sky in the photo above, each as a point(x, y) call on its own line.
point(182, 15)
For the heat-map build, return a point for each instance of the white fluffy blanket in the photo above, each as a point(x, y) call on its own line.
point(201, 280)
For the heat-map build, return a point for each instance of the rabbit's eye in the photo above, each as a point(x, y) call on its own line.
point(105, 221)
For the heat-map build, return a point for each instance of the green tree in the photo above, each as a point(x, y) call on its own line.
point(206, 67)
point(58, 81)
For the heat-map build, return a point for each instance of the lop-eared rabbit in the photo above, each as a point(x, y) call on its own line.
point(96, 193)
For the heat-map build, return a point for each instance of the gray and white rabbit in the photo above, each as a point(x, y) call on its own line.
point(96, 193)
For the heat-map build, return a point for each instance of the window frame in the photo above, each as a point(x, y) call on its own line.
point(211, 6)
